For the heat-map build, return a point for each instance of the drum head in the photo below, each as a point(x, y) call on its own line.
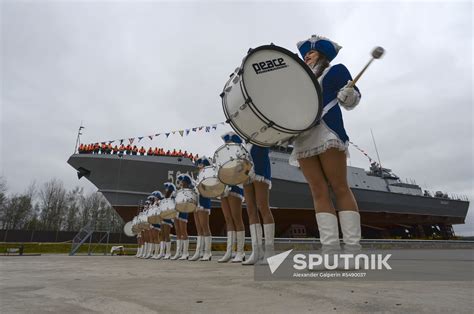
point(211, 187)
point(127, 229)
point(235, 171)
point(186, 207)
point(282, 88)
point(168, 214)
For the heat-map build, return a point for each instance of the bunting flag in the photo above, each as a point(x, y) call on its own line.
point(182, 133)
point(362, 151)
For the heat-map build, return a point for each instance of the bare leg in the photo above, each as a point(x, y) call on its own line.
point(334, 166)
point(226, 210)
point(262, 199)
point(313, 172)
point(249, 193)
point(236, 212)
point(204, 220)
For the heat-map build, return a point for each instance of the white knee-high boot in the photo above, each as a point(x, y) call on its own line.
point(185, 254)
point(162, 250)
point(139, 251)
point(256, 244)
point(207, 248)
point(157, 251)
point(329, 237)
point(240, 254)
point(199, 245)
point(328, 232)
point(178, 250)
point(145, 249)
point(168, 250)
point(149, 253)
point(228, 253)
point(351, 233)
point(269, 233)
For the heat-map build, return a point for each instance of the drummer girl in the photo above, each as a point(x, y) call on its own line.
point(201, 219)
point(256, 192)
point(156, 230)
point(147, 234)
point(321, 151)
point(232, 209)
point(183, 181)
point(167, 224)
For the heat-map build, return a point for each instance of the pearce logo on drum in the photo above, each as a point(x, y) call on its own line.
point(269, 65)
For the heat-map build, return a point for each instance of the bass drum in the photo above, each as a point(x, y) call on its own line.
point(127, 229)
point(272, 97)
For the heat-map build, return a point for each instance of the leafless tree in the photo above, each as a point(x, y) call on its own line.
point(52, 200)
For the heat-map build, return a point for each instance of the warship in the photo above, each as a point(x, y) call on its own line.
point(389, 207)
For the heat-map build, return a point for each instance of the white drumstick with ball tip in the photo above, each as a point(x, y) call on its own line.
point(377, 53)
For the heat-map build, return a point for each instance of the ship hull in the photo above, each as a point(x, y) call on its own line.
point(126, 181)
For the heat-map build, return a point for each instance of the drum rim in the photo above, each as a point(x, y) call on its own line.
point(254, 108)
point(229, 144)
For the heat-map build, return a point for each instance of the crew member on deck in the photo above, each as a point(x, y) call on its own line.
point(321, 152)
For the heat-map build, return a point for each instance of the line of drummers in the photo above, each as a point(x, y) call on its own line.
point(235, 171)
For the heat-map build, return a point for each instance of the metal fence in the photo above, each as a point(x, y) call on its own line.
point(57, 236)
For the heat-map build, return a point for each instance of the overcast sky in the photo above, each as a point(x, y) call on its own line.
point(131, 68)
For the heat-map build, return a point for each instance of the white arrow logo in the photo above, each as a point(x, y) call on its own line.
point(275, 261)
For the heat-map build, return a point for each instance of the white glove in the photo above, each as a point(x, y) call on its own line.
point(348, 97)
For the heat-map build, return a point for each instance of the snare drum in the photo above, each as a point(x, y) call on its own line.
point(167, 208)
point(143, 220)
point(208, 183)
point(186, 200)
point(154, 215)
point(272, 97)
point(233, 162)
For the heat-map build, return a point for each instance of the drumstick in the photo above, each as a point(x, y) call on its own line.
point(376, 54)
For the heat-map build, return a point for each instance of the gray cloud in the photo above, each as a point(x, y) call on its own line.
point(129, 69)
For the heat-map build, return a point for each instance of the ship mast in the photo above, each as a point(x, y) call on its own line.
point(378, 157)
point(78, 137)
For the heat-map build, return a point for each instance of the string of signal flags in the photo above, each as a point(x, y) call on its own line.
point(182, 133)
point(187, 131)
